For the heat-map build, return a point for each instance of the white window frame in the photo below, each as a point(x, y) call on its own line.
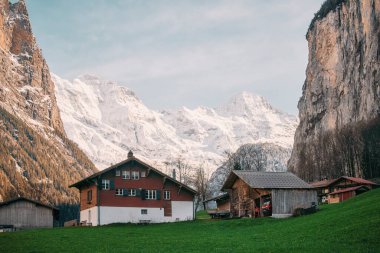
point(167, 195)
point(132, 192)
point(150, 194)
point(143, 173)
point(135, 175)
point(106, 184)
point(119, 192)
point(126, 174)
point(144, 211)
point(117, 173)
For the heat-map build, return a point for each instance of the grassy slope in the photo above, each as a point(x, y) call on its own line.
point(352, 226)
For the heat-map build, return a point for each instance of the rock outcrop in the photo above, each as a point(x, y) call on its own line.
point(341, 93)
point(26, 86)
point(37, 159)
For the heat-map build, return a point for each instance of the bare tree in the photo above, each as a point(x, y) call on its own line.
point(201, 178)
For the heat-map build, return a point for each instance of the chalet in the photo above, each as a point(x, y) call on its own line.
point(22, 213)
point(346, 193)
point(344, 188)
point(133, 191)
point(323, 189)
point(337, 190)
point(276, 194)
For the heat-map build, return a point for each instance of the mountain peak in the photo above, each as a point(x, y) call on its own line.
point(245, 104)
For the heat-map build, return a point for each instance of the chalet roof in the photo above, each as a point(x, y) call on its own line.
point(5, 203)
point(267, 180)
point(349, 189)
point(325, 183)
point(358, 180)
point(131, 158)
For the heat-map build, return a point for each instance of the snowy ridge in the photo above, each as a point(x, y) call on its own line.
point(107, 120)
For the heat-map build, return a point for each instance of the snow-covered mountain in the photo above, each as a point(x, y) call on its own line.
point(107, 120)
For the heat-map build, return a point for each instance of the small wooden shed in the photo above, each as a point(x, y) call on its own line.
point(276, 194)
point(26, 213)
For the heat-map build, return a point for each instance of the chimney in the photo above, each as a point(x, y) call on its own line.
point(173, 174)
point(130, 154)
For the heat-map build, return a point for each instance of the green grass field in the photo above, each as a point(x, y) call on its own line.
point(352, 226)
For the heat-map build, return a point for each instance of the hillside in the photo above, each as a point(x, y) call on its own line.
point(37, 160)
point(339, 110)
point(107, 119)
point(351, 226)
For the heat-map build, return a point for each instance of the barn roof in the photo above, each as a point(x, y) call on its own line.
point(5, 203)
point(131, 158)
point(267, 180)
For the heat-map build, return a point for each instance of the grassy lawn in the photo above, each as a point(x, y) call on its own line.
point(352, 226)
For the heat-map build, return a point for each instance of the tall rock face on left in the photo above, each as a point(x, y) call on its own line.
point(37, 160)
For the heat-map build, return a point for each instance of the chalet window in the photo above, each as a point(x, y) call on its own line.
point(143, 173)
point(126, 174)
point(117, 173)
point(119, 192)
point(150, 194)
point(105, 184)
point(89, 196)
point(167, 195)
point(144, 211)
point(135, 175)
point(132, 192)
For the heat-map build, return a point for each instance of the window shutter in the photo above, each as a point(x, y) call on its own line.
point(158, 194)
point(112, 184)
point(142, 193)
point(125, 192)
point(138, 192)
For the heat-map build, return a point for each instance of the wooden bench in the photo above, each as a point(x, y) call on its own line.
point(144, 221)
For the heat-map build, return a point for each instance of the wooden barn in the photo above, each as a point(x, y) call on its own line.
point(276, 194)
point(21, 213)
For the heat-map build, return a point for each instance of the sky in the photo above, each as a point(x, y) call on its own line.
point(180, 53)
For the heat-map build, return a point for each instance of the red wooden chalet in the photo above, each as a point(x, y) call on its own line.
point(133, 191)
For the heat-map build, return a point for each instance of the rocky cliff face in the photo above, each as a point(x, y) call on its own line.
point(341, 93)
point(26, 87)
point(37, 160)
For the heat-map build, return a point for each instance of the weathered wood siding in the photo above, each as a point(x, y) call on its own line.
point(285, 201)
point(24, 214)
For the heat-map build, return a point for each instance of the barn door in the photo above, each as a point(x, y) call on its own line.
point(167, 208)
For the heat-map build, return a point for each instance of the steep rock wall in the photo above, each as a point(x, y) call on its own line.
point(341, 92)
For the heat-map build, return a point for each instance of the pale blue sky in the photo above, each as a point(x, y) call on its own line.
point(180, 53)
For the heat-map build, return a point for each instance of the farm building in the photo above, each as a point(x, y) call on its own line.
point(21, 213)
point(346, 193)
point(276, 194)
point(133, 191)
point(326, 188)
point(219, 206)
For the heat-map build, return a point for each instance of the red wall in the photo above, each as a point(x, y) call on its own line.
point(153, 181)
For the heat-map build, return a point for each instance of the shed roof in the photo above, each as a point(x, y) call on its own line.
point(5, 203)
point(323, 183)
point(267, 180)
